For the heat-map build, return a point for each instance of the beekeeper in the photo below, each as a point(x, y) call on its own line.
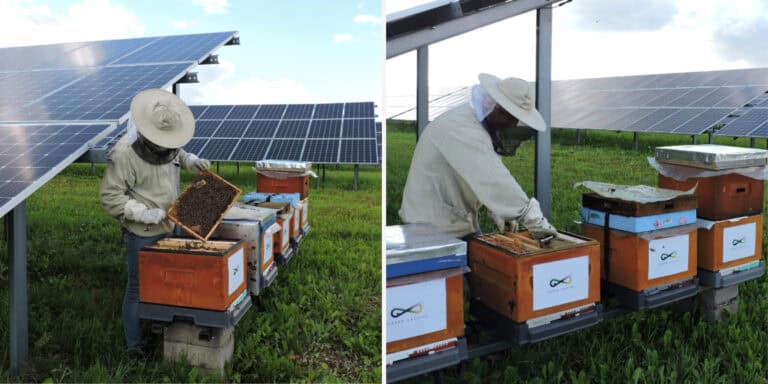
point(141, 181)
point(457, 165)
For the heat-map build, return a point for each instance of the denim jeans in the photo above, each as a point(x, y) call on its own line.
point(131, 324)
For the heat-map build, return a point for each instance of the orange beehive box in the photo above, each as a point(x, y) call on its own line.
point(722, 197)
point(290, 184)
point(304, 213)
point(729, 243)
point(283, 237)
point(521, 280)
point(191, 273)
point(296, 222)
point(424, 308)
point(649, 259)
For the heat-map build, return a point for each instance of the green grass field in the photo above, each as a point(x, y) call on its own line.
point(655, 346)
point(319, 321)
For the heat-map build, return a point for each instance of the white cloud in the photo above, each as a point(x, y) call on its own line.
point(87, 20)
point(220, 84)
point(343, 37)
point(213, 6)
point(370, 19)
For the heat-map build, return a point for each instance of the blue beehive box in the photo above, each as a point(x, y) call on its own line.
point(639, 223)
point(417, 248)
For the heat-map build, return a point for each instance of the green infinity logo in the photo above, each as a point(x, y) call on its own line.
point(415, 309)
point(736, 242)
point(670, 255)
point(555, 282)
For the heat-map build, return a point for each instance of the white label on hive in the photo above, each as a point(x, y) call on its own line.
point(286, 232)
point(268, 250)
point(296, 218)
point(739, 242)
point(416, 309)
point(560, 282)
point(236, 271)
point(304, 210)
point(668, 256)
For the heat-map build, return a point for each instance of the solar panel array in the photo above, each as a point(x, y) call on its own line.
point(58, 100)
point(682, 103)
point(378, 141)
point(319, 133)
point(30, 155)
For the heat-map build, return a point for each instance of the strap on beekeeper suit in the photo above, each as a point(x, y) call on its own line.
point(531, 217)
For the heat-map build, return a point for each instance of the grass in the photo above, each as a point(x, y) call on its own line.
point(658, 346)
point(319, 321)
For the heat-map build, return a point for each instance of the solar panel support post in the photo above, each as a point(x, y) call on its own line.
point(422, 89)
point(637, 140)
point(16, 233)
point(578, 136)
point(752, 142)
point(357, 175)
point(544, 105)
point(710, 138)
point(238, 168)
point(217, 167)
point(693, 139)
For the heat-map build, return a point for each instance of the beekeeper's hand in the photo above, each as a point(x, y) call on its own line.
point(503, 225)
point(536, 223)
point(139, 212)
point(202, 164)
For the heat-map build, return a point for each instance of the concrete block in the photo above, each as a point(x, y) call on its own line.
point(206, 348)
point(715, 302)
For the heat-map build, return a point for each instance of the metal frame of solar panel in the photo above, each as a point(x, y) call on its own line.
point(335, 133)
point(26, 165)
point(688, 103)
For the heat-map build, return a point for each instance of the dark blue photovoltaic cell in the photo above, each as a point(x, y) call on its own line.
point(36, 57)
point(232, 128)
point(741, 96)
point(177, 48)
point(714, 97)
point(626, 121)
point(293, 129)
point(328, 111)
point(269, 112)
point(26, 87)
point(299, 111)
point(101, 53)
point(745, 123)
point(321, 151)
point(251, 150)
point(24, 159)
point(103, 95)
point(216, 112)
point(690, 97)
point(652, 119)
point(359, 110)
point(197, 110)
point(195, 145)
point(703, 121)
point(206, 128)
point(325, 129)
point(358, 151)
point(285, 149)
point(358, 129)
point(262, 129)
point(218, 149)
point(676, 119)
point(245, 112)
point(760, 131)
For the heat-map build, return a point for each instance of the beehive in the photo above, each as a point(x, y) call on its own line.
point(730, 243)
point(722, 197)
point(289, 183)
point(520, 279)
point(304, 214)
point(191, 273)
point(639, 261)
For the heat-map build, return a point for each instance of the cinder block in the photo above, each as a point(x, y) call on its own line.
point(206, 348)
point(716, 301)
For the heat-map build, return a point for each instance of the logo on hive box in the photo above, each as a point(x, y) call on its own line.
point(665, 255)
point(567, 280)
point(415, 309)
point(738, 243)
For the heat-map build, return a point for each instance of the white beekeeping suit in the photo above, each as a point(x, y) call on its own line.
point(456, 168)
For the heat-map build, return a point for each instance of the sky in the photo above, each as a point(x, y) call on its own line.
point(291, 51)
point(596, 38)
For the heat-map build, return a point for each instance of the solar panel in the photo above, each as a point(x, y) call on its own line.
point(195, 145)
point(245, 112)
point(285, 149)
point(26, 163)
point(177, 48)
point(270, 112)
point(676, 119)
point(262, 128)
point(742, 126)
point(328, 111)
point(321, 151)
point(293, 129)
point(358, 151)
point(358, 128)
point(216, 112)
point(251, 150)
point(218, 149)
point(232, 128)
point(20, 89)
point(299, 111)
point(206, 128)
point(325, 129)
point(703, 121)
point(352, 110)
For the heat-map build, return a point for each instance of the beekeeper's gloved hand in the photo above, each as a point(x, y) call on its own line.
point(537, 224)
point(202, 164)
point(503, 225)
point(139, 212)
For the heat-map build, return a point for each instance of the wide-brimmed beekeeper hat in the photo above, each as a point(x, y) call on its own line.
point(162, 118)
point(514, 95)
